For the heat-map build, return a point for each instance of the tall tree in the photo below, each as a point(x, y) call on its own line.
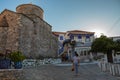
point(103, 44)
point(73, 43)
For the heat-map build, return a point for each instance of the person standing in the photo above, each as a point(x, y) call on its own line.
point(76, 61)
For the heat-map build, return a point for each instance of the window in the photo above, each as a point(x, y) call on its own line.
point(87, 38)
point(71, 37)
point(79, 36)
point(61, 37)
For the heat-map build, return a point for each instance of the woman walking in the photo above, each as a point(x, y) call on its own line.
point(76, 61)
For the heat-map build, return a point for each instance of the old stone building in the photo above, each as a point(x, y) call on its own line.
point(25, 30)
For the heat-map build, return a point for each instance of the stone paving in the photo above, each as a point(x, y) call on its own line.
point(63, 72)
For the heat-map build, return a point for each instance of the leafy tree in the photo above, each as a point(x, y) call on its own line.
point(105, 45)
point(72, 43)
point(117, 45)
point(102, 44)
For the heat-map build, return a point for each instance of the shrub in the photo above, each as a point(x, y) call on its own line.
point(17, 56)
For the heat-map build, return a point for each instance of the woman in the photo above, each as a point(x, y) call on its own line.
point(76, 61)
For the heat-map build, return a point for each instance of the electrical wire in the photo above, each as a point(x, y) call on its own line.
point(115, 23)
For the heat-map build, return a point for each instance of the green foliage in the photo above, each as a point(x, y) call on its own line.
point(117, 46)
point(73, 43)
point(102, 44)
point(17, 56)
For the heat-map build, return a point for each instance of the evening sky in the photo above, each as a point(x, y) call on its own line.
point(100, 16)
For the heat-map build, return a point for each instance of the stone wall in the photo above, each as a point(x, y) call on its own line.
point(26, 35)
point(9, 34)
point(36, 38)
point(54, 47)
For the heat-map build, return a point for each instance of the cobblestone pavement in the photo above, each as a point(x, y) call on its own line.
point(57, 72)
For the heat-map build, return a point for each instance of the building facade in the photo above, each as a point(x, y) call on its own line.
point(25, 30)
point(83, 41)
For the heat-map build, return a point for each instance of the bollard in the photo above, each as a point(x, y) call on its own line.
point(99, 65)
point(107, 67)
point(110, 69)
point(118, 70)
point(104, 67)
point(113, 70)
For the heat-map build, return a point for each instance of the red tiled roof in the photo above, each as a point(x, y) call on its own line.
point(79, 32)
point(73, 32)
point(57, 33)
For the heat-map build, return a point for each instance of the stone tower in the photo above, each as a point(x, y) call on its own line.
point(30, 10)
point(25, 30)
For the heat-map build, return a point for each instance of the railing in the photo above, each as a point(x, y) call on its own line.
point(113, 69)
point(36, 63)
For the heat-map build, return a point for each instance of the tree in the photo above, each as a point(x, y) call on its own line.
point(117, 45)
point(105, 45)
point(73, 43)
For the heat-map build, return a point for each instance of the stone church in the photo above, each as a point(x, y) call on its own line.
point(25, 30)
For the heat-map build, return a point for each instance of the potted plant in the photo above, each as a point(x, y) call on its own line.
point(17, 57)
point(5, 62)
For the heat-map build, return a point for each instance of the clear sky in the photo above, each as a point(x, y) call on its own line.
point(100, 16)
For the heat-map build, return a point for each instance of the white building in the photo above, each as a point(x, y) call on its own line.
point(83, 40)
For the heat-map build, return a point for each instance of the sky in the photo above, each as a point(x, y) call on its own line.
point(99, 16)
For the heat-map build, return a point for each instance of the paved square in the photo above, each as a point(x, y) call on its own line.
point(57, 72)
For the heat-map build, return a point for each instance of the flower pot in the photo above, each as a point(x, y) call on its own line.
point(5, 64)
point(18, 65)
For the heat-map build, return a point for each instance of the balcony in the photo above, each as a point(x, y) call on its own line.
point(83, 44)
